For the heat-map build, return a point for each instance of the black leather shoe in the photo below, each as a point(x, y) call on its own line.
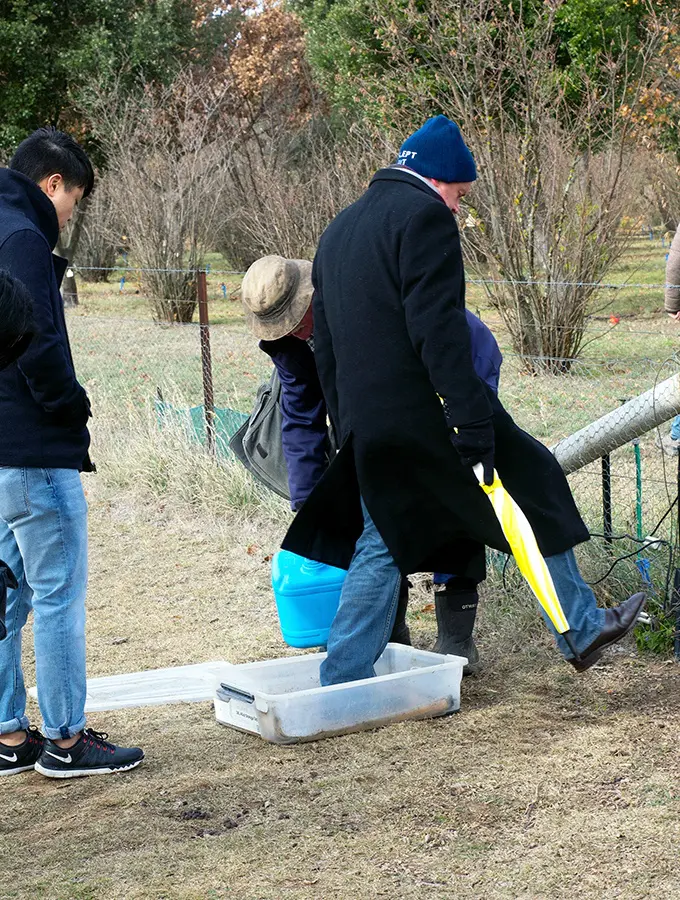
point(617, 623)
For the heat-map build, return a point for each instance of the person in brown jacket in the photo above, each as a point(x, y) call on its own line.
point(672, 296)
point(670, 443)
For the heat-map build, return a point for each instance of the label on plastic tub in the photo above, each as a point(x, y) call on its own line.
point(238, 715)
point(241, 711)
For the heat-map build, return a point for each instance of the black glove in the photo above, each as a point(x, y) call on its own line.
point(7, 580)
point(475, 444)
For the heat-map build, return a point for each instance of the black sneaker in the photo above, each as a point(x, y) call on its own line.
point(92, 754)
point(22, 757)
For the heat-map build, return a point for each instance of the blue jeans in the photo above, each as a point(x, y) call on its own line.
point(578, 603)
point(368, 606)
point(441, 578)
point(675, 429)
point(43, 538)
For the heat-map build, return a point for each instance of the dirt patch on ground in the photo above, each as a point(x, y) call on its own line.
point(546, 785)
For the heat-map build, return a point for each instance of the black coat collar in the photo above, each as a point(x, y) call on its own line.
point(20, 193)
point(395, 174)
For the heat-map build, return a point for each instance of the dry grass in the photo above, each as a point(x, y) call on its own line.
point(546, 785)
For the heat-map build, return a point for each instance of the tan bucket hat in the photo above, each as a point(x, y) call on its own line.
point(276, 294)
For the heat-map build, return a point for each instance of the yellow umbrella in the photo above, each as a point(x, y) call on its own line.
point(530, 562)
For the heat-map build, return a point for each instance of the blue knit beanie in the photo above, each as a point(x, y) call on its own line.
point(437, 150)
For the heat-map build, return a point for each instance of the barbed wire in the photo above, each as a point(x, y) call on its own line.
point(548, 328)
point(507, 351)
point(77, 268)
point(607, 362)
point(624, 285)
point(600, 285)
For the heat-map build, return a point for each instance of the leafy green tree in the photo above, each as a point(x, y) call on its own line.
point(342, 47)
point(586, 29)
point(49, 49)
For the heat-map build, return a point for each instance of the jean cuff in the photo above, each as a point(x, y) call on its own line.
point(21, 723)
point(586, 636)
point(58, 734)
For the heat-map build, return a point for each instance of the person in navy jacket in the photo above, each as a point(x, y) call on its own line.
point(44, 443)
point(277, 298)
point(16, 319)
point(277, 301)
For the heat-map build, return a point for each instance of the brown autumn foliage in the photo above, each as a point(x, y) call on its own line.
point(657, 125)
point(270, 71)
point(237, 149)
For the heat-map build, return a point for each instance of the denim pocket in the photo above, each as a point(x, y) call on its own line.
point(14, 502)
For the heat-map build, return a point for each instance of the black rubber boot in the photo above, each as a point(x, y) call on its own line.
point(456, 609)
point(400, 633)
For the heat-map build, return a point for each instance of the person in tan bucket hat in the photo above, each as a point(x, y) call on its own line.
point(277, 301)
point(277, 298)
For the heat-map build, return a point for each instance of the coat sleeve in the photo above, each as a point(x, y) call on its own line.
point(672, 296)
point(486, 354)
point(304, 434)
point(323, 354)
point(45, 364)
point(432, 283)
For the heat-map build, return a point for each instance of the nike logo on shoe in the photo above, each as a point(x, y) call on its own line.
point(64, 759)
point(12, 758)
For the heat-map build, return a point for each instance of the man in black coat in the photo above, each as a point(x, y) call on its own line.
point(393, 352)
point(44, 444)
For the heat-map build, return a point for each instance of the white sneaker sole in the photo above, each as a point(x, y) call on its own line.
point(16, 771)
point(82, 773)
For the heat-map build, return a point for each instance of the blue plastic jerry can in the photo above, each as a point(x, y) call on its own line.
point(307, 595)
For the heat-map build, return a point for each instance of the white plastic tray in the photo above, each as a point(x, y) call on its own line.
point(281, 699)
point(180, 684)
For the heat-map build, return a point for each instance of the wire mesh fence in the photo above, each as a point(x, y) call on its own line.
point(628, 499)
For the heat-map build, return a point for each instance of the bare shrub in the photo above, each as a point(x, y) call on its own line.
point(101, 234)
point(553, 157)
point(286, 186)
point(167, 149)
point(292, 171)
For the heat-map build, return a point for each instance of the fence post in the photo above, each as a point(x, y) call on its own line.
point(675, 606)
point(206, 360)
point(607, 498)
point(638, 489)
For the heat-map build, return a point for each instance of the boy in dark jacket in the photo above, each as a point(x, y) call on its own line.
point(43, 448)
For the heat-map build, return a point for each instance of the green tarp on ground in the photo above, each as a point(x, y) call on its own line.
point(192, 422)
